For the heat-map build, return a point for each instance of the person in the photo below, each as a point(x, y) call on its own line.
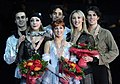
point(13, 41)
point(80, 34)
point(57, 12)
point(53, 51)
point(34, 42)
point(106, 44)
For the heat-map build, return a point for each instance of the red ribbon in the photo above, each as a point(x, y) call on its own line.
point(30, 79)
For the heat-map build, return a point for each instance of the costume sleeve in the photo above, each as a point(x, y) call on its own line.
point(46, 57)
point(10, 50)
point(113, 50)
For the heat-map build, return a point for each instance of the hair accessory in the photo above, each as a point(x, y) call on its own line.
point(39, 14)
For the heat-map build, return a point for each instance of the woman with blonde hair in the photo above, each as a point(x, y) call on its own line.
point(33, 43)
point(83, 26)
point(80, 34)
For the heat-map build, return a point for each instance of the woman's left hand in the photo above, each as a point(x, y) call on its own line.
point(87, 58)
point(64, 81)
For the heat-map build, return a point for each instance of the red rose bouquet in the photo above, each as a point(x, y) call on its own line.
point(71, 69)
point(33, 68)
point(83, 49)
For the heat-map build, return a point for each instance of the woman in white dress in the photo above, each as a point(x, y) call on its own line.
point(53, 50)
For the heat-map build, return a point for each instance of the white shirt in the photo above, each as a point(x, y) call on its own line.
point(10, 50)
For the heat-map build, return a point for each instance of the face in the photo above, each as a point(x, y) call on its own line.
point(77, 20)
point(58, 31)
point(92, 17)
point(20, 19)
point(35, 23)
point(57, 14)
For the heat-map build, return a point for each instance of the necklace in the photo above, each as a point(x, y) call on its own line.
point(36, 46)
point(42, 33)
point(59, 48)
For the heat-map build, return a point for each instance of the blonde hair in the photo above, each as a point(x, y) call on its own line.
point(84, 26)
point(29, 29)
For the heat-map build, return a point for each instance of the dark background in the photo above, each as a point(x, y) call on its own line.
point(110, 15)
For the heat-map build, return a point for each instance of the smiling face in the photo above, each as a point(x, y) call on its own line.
point(57, 14)
point(92, 17)
point(58, 31)
point(77, 20)
point(58, 28)
point(35, 23)
point(20, 19)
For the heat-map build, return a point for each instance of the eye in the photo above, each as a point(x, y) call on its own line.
point(23, 17)
point(73, 17)
point(89, 14)
point(31, 20)
point(55, 28)
point(17, 17)
point(54, 13)
point(37, 20)
point(60, 14)
point(79, 17)
point(94, 15)
point(61, 27)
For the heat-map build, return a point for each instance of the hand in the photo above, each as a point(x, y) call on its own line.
point(22, 38)
point(97, 56)
point(63, 81)
point(87, 58)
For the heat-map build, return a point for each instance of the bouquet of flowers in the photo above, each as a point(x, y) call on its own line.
point(71, 69)
point(33, 68)
point(83, 49)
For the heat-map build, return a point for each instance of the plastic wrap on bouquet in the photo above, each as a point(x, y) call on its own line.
point(32, 79)
point(81, 50)
point(33, 68)
point(71, 69)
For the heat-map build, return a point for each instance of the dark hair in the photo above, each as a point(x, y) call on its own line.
point(54, 7)
point(95, 9)
point(36, 14)
point(19, 8)
point(57, 23)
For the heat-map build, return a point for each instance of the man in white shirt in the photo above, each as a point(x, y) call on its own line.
point(13, 41)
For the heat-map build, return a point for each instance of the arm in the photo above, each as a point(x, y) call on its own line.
point(10, 50)
point(113, 50)
point(21, 39)
point(47, 47)
point(46, 55)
